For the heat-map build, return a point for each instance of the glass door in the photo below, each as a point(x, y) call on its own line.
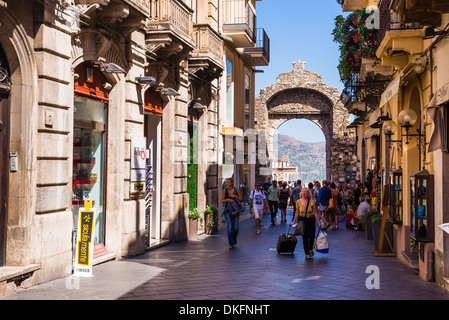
point(89, 163)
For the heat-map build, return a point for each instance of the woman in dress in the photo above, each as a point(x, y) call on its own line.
point(283, 196)
point(333, 213)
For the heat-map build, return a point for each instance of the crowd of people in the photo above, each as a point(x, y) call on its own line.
point(323, 203)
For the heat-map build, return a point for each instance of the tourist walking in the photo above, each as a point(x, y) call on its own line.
point(336, 210)
point(295, 194)
point(313, 192)
point(324, 196)
point(266, 185)
point(306, 211)
point(283, 197)
point(348, 196)
point(273, 201)
point(258, 205)
point(232, 198)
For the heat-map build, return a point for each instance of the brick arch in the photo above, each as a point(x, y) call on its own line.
point(301, 94)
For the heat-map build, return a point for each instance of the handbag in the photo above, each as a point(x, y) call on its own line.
point(299, 230)
point(331, 201)
point(321, 242)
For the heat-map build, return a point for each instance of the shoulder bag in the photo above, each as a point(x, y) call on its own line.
point(299, 230)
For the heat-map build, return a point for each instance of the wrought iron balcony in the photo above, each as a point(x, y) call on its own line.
point(239, 22)
point(260, 54)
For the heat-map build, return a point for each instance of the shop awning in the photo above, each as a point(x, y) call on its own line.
point(391, 91)
point(438, 137)
point(371, 132)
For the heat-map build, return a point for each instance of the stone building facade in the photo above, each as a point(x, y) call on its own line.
point(301, 94)
point(99, 100)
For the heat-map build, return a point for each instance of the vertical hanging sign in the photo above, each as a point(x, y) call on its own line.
point(138, 164)
point(84, 244)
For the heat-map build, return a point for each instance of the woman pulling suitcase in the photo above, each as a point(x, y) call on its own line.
point(306, 211)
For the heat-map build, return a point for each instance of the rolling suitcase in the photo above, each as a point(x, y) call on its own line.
point(286, 243)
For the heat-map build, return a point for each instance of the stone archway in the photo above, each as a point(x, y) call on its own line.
point(301, 94)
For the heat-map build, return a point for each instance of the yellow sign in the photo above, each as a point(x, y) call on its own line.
point(84, 243)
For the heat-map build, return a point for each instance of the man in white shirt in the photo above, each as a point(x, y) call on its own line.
point(363, 208)
point(258, 205)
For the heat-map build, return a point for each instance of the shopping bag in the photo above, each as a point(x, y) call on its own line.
point(321, 242)
point(299, 230)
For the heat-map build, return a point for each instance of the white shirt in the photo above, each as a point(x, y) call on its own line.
point(258, 198)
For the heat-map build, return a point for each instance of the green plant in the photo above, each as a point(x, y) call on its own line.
point(372, 215)
point(194, 214)
point(212, 212)
point(356, 40)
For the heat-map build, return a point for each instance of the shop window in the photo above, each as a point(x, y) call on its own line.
point(422, 206)
point(396, 205)
point(89, 147)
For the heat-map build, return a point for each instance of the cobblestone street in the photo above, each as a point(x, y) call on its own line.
point(208, 270)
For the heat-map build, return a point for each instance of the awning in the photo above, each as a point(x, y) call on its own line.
point(371, 132)
point(390, 92)
point(435, 136)
point(438, 116)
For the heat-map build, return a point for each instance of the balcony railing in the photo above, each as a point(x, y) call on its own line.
point(262, 41)
point(174, 12)
point(238, 14)
point(390, 20)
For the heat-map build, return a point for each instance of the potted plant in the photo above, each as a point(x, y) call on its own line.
point(368, 224)
point(211, 215)
point(376, 220)
point(356, 40)
point(194, 217)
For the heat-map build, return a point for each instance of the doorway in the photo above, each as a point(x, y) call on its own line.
point(4, 170)
point(153, 110)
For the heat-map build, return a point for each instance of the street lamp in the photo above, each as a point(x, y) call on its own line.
point(407, 119)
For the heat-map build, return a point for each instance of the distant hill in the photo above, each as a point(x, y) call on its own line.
point(310, 158)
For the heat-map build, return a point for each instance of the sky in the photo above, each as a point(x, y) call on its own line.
point(299, 30)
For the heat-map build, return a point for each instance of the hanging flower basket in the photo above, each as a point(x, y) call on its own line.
point(356, 38)
point(357, 55)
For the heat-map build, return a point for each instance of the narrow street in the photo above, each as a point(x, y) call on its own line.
point(208, 270)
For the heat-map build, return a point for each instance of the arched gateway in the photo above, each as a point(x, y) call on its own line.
point(301, 94)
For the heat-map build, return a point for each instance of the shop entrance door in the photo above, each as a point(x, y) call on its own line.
point(4, 170)
point(153, 182)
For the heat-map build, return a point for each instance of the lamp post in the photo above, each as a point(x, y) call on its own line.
point(407, 119)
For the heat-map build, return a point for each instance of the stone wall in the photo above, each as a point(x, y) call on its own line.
point(301, 94)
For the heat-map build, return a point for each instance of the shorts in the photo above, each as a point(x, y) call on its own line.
point(258, 213)
point(322, 208)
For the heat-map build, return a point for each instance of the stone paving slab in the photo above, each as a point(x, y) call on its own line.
point(208, 270)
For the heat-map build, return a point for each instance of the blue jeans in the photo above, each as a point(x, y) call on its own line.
point(233, 227)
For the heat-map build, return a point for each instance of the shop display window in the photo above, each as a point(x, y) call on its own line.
point(422, 206)
point(89, 162)
point(396, 200)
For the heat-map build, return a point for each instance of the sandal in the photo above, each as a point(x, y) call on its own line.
point(308, 257)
